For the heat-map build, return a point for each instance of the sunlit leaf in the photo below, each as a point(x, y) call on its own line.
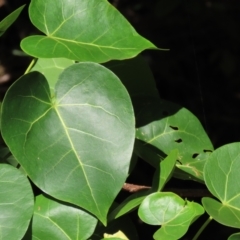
point(167, 126)
point(123, 224)
point(16, 203)
point(86, 30)
point(58, 221)
point(9, 20)
point(77, 145)
point(171, 212)
point(221, 174)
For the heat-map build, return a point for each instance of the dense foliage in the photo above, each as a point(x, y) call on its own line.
point(78, 120)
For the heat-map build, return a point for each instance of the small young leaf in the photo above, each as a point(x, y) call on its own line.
point(117, 235)
point(9, 20)
point(171, 212)
point(16, 203)
point(86, 30)
point(221, 174)
point(128, 204)
point(77, 145)
point(59, 221)
point(163, 173)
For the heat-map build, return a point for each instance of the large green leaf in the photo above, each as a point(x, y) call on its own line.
point(86, 30)
point(166, 126)
point(171, 212)
point(57, 221)
point(9, 20)
point(77, 145)
point(16, 203)
point(51, 68)
point(221, 174)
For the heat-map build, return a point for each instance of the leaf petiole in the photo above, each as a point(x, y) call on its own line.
point(202, 228)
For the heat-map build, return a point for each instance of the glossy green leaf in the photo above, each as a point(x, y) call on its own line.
point(235, 236)
point(221, 174)
point(86, 30)
point(9, 20)
point(16, 203)
point(51, 68)
point(171, 212)
point(58, 221)
point(76, 146)
point(167, 126)
point(164, 172)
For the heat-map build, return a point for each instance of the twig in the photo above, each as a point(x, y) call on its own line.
point(190, 193)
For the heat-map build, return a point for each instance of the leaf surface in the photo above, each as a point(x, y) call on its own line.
point(86, 30)
point(16, 203)
point(51, 68)
point(9, 20)
point(165, 126)
point(77, 145)
point(164, 172)
point(235, 236)
point(221, 174)
point(171, 212)
point(58, 221)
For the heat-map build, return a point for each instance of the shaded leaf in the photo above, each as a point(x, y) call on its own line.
point(9, 20)
point(167, 126)
point(86, 30)
point(235, 236)
point(58, 221)
point(129, 204)
point(221, 174)
point(164, 172)
point(171, 212)
point(137, 77)
point(51, 68)
point(76, 146)
point(16, 203)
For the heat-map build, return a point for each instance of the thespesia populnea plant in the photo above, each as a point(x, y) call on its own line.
point(77, 121)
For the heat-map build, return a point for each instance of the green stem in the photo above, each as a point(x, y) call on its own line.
point(30, 66)
point(202, 228)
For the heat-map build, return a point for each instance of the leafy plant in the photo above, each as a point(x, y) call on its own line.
point(77, 121)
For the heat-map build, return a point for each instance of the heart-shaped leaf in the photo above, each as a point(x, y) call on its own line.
point(171, 212)
point(9, 20)
point(16, 203)
point(86, 30)
point(221, 174)
point(57, 221)
point(77, 145)
point(51, 68)
point(167, 126)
